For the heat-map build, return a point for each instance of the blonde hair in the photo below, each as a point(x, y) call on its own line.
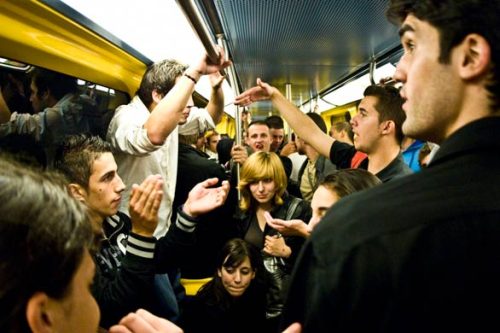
point(261, 166)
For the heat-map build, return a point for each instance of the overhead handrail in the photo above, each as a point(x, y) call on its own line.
point(194, 17)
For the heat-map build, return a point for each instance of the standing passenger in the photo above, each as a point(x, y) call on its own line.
point(376, 127)
point(59, 111)
point(143, 133)
point(421, 254)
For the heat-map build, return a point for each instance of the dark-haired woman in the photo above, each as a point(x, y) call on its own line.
point(234, 300)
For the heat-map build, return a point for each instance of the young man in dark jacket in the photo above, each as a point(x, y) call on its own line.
point(129, 256)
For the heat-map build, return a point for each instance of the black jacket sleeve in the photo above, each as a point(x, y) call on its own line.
point(126, 287)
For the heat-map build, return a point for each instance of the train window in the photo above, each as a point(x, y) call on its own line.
point(15, 83)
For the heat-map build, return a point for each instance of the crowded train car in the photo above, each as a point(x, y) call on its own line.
point(249, 166)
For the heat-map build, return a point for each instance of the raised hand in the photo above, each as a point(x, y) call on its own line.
point(144, 204)
point(262, 91)
point(289, 149)
point(216, 80)
point(142, 321)
point(206, 66)
point(288, 228)
point(202, 199)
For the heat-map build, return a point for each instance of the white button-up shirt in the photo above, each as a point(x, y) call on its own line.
point(137, 157)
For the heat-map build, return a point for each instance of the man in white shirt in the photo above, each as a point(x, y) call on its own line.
point(144, 134)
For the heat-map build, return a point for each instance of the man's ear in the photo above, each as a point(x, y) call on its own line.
point(77, 191)
point(475, 56)
point(387, 127)
point(39, 315)
point(157, 97)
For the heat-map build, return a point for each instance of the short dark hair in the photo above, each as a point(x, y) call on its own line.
point(161, 77)
point(76, 157)
point(44, 235)
point(275, 122)
point(258, 122)
point(347, 181)
point(58, 84)
point(317, 120)
point(389, 106)
point(454, 20)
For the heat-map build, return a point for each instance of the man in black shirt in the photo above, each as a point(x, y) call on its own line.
point(421, 253)
point(376, 127)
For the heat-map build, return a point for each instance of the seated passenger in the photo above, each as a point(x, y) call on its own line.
point(59, 111)
point(234, 300)
point(262, 185)
point(45, 242)
point(376, 127)
point(334, 187)
point(129, 255)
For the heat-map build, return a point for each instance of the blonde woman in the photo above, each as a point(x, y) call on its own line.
point(262, 184)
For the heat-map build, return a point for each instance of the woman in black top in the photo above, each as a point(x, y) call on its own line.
point(234, 300)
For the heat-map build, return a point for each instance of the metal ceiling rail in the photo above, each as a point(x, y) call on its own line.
point(194, 17)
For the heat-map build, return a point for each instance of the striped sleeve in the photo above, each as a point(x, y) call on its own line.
point(141, 246)
point(185, 222)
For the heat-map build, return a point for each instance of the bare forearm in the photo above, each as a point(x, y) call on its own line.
point(301, 124)
point(166, 115)
point(215, 106)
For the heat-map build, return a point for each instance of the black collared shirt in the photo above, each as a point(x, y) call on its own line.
point(417, 254)
point(342, 153)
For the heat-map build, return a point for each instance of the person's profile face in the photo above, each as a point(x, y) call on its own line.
point(38, 103)
point(105, 187)
point(365, 125)
point(429, 87)
point(323, 198)
point(237, 279)
point(78, 310)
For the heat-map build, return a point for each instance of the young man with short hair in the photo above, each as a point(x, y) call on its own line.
point(277, 131)
point(376, 127)
point(421, 253)
point(144, 133)
point(129, 256)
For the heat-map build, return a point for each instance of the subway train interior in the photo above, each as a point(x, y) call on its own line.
point(190, 165)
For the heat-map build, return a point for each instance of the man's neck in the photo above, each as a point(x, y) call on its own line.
point(97, 221)
point(382, 157)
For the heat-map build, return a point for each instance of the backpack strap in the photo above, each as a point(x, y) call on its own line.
point(292, 208)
